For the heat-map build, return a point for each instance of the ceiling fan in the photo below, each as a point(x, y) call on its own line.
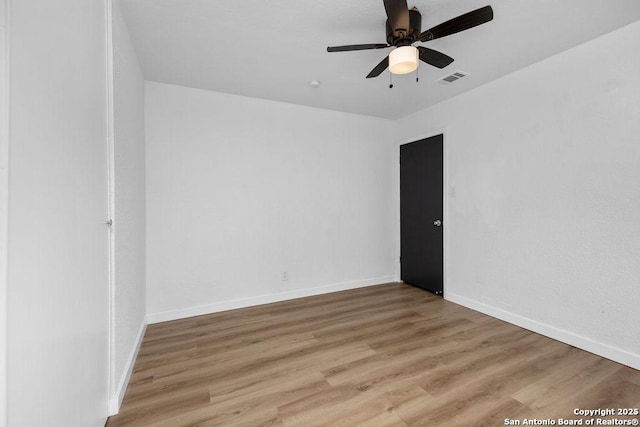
point(403, 29)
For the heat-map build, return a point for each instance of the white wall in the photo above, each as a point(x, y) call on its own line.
point(240, 190)
point(545, 162)
point(4, 208)
point(129, 207)
point(57, 245)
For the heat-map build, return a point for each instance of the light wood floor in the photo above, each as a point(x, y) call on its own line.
point(388, 355)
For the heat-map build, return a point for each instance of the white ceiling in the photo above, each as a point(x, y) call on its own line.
point(273, 49)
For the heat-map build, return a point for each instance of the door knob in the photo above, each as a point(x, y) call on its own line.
point(437, 223)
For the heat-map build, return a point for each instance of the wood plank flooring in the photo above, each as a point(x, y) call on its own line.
point(387, 355)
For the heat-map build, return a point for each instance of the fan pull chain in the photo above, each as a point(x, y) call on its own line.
point(390, 80)
point(418, 73)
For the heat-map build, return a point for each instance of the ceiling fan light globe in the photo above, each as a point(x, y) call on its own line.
point(403, 60)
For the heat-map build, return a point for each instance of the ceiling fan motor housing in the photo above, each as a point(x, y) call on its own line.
point(402, 38)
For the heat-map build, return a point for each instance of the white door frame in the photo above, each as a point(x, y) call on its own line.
point(113, 397)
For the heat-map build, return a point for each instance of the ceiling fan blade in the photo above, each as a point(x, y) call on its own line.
point(433, 57)
point(379, 68)
point(350, 47)
point(398, 14)
point(461, 23)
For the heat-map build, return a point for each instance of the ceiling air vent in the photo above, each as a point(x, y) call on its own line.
point(452, 78)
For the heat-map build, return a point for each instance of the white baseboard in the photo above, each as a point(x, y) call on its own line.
point(579, 341)
point(116, 401)
point(216, 307)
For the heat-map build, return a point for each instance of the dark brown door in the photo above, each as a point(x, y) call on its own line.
point(421, 237)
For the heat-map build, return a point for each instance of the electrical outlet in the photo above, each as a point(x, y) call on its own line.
point(284, 276)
